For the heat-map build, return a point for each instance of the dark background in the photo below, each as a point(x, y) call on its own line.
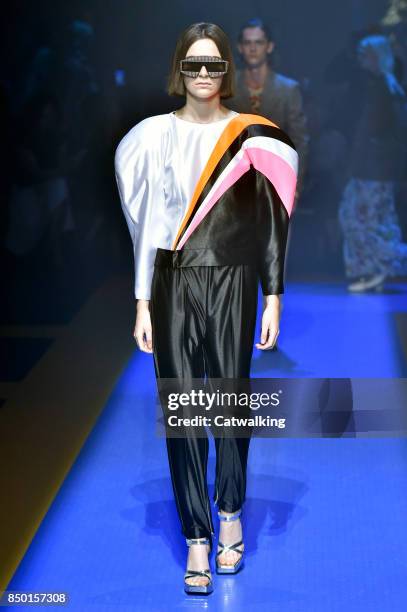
point(51, 280)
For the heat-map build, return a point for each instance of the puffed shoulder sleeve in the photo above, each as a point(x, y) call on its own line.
point(275, 161)
point(138, 176)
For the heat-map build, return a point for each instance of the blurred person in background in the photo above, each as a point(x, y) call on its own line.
point(260, 89)
point(372, 247)
point(394, 24)
point(39, 209)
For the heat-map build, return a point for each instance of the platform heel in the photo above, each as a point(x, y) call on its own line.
point(202, 589)
point(229, 569)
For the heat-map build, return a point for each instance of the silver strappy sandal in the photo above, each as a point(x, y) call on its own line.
point(229, 569)
point(203, 589)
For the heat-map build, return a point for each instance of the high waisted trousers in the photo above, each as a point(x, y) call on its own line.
point(203, 321)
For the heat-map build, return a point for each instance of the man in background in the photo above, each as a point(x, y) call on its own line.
point(261, 90)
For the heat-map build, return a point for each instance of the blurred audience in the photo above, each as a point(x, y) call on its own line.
point(63, 111)
point(376, 132)
point(39, 205)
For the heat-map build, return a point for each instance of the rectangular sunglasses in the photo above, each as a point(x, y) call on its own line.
point(191, 66)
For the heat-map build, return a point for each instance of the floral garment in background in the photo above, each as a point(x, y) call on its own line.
point(371, 231)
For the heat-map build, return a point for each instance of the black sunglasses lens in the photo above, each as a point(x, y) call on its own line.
point(214, 66)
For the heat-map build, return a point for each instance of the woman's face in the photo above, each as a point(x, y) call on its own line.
point(203, 86)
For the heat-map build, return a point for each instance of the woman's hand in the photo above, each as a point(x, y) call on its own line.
point(142, 329)
point(270, 322)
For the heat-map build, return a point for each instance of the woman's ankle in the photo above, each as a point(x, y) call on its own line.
point(227, 513)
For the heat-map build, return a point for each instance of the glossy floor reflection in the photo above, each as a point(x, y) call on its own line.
point(324, 521)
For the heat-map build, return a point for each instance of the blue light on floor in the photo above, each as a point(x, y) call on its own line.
point(324, 520)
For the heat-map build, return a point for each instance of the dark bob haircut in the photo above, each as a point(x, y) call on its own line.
point(196, 31)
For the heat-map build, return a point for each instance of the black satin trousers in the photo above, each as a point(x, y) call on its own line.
point(203, 321)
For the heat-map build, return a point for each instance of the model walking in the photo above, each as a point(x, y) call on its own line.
point(207, 195)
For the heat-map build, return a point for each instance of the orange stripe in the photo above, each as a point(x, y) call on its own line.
point(231, 131)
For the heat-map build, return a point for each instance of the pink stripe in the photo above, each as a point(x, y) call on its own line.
point(278, 171)
point(230, 179)
point(273, 166)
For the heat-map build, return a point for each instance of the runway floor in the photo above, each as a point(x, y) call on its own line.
point(324, 521)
